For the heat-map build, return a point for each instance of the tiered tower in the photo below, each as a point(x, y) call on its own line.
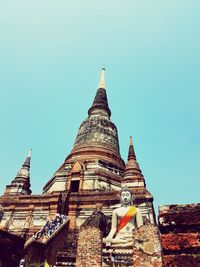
point(94, 162)
point(21, 183)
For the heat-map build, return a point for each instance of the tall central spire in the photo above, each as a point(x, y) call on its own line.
point(100, 103)
point(98, 129)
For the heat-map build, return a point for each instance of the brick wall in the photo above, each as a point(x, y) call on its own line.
point(147, 247)
point(180, 227)
point(90, 241)
point(89, 248)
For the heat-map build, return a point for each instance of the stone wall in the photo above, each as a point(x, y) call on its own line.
point(147, 247)
point(180, 232)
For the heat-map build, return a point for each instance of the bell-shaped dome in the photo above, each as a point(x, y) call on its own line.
point(97, 131)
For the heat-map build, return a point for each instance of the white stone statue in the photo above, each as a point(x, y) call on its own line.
point(124, 220)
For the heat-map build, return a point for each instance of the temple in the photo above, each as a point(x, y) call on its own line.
point(66, 224)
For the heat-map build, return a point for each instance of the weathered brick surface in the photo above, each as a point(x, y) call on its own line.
point(147, 247)
point(181, 242)
point(89, 252)
point(181, 260)
point(90, 241)
point(67, 252)
point(179, 217)
point(26, 208)
point(180, 226)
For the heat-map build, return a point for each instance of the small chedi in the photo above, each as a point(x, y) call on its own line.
point(77, 220)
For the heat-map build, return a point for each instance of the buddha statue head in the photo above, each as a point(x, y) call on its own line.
point(126, 196)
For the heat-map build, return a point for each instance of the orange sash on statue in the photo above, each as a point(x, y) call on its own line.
point(126, 218)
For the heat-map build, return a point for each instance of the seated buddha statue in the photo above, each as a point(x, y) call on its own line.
point(124, 220)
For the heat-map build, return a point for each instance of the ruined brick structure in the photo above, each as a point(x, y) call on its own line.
point(180, 234)
point(147, 250)
point(86, 189)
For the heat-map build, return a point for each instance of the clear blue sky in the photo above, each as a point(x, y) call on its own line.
point(51, 53)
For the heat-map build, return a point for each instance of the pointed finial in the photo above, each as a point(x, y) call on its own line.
point(102, 83)
point(131, 152)
point(29, 153)
point(28, 159)
point(100, 102)
point(131, 141)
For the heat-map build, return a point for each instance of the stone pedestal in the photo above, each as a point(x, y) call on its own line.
point(147, 247)
point(117, 257)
